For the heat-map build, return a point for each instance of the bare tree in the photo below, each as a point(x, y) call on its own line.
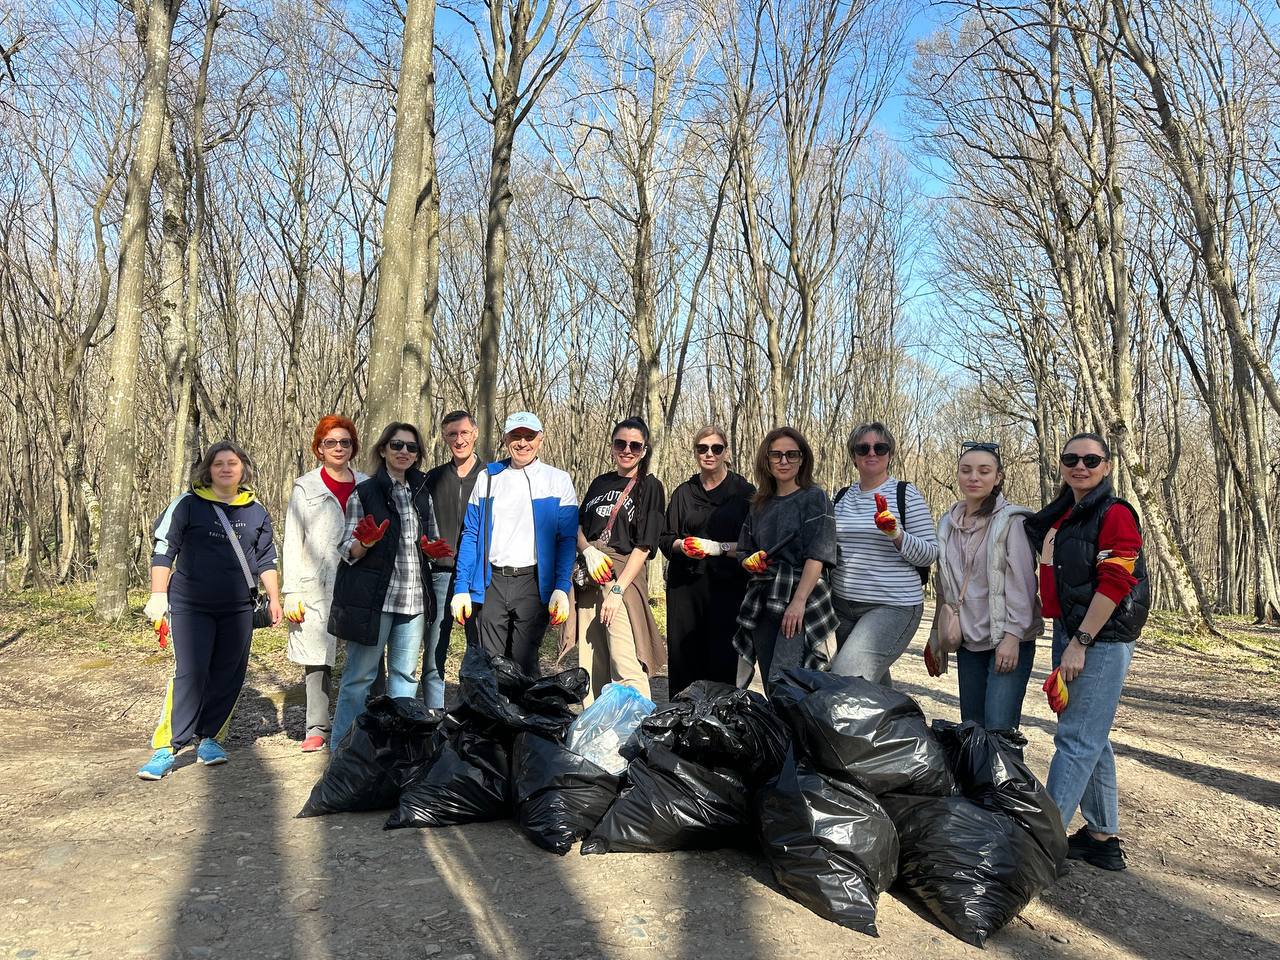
point(155, 29)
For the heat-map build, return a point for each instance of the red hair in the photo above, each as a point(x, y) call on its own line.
point(331, 422)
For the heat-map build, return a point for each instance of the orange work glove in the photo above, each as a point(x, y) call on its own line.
point(162, 634)
point(435, 549)
point(699, 548)
point(757, 563)
point(1056, 690)
point(886, 523)
point(599, 564)
point(930, 662)
point(368, 532)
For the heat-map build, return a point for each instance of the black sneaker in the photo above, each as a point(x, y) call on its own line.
point(1103, 854)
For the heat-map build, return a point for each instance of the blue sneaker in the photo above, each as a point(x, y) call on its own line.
point(158, 767)
point(210, 753)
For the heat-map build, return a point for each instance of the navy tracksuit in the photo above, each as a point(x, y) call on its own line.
point(210, 614)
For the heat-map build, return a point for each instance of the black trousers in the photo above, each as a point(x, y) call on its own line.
point(211, 655)
point(513, 619)
point(702, 618)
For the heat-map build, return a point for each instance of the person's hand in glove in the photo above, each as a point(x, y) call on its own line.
point(886, 523)
point(558, 607)
point(368, 532)
point(460, 607)
point(156, 608)
point(758, 562)
point(293, 609)
point(599, 566)
point(697, 548)
point(437, 549)
point(931, 661)
point(1055, 689)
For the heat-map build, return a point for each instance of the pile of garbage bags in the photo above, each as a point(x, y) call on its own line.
point(842, 785)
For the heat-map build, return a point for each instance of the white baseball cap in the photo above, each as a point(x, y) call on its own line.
point(522, 420)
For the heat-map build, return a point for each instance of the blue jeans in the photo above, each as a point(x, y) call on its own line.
point(989, 698)
point(1083, 770)
point(400, 634)
point(870, 637)
point(435, 644)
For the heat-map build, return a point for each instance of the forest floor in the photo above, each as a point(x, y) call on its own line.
point(212, 863)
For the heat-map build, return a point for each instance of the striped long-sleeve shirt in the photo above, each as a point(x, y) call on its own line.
point(871, 568)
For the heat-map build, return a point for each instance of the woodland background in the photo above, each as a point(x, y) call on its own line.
point(973, 220)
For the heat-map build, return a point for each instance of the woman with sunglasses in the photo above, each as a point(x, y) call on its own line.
point(312, 531)
point(787, 542)
point(705, 583)
point(887, 545)
point(987, 610)
point(619, 523)
point(382, 595)
point(1093, 583)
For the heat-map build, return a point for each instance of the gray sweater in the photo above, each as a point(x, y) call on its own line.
point(792, 529)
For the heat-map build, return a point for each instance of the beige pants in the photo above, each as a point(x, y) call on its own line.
point(607, 653)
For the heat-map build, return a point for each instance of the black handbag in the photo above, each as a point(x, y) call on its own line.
point(260, 601)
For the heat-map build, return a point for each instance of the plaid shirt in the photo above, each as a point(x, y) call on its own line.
point(771, 595)
point(404, 591)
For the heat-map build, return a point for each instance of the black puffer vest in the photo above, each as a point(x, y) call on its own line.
point(361, 587)
point(1075, 563)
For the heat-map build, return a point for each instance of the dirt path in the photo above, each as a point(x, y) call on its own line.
point(211, 863)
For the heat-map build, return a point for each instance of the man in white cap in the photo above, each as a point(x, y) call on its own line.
point(518, 544)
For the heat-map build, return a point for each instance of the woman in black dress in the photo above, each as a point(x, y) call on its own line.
point(705, 582)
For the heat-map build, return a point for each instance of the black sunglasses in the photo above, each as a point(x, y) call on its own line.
point(702, 448)
point(862, 449)
point(1090, 460)
point(399, 445)
point(622, 446)
point(791, 456)
point(985, 445)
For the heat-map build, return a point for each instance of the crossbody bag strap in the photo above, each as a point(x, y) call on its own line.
point(613, 514)
point(235, 545)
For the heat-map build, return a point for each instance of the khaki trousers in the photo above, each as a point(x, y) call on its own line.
point(608, 654)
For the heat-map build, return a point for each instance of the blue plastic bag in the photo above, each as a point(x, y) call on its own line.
point(599, 733)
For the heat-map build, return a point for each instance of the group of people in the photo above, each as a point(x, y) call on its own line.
point(760, 577)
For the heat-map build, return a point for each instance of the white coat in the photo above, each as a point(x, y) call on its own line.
point(312, 531)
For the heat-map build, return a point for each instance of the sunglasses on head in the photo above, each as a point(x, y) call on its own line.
point(398, 445)
point(330, 443)
point(1090, 460)
point(986, 446)
point(704, 448)
point(791, 456)
point(862, 449)
point(623, 446)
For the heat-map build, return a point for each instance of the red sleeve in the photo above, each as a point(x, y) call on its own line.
point(1119, 541)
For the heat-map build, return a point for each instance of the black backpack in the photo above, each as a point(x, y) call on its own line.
point(902, 513)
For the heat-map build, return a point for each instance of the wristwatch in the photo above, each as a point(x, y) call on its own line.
point(615, 589)
point(726, 547)
point(1082, 638)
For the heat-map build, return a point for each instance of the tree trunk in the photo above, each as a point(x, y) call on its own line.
point(121, 453)
point(384, 393)
point(495, 270)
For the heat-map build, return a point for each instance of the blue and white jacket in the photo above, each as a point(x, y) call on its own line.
point(555, 530)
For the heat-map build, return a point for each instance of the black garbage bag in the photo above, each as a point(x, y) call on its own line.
point(499, 698)
point(717, 725)
point(974, 869)
point(862, 732)
point(468, 780)
point(384, 745)
point(670, 803)
point(559, 796)
point(989, 770)
point(831, 845)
